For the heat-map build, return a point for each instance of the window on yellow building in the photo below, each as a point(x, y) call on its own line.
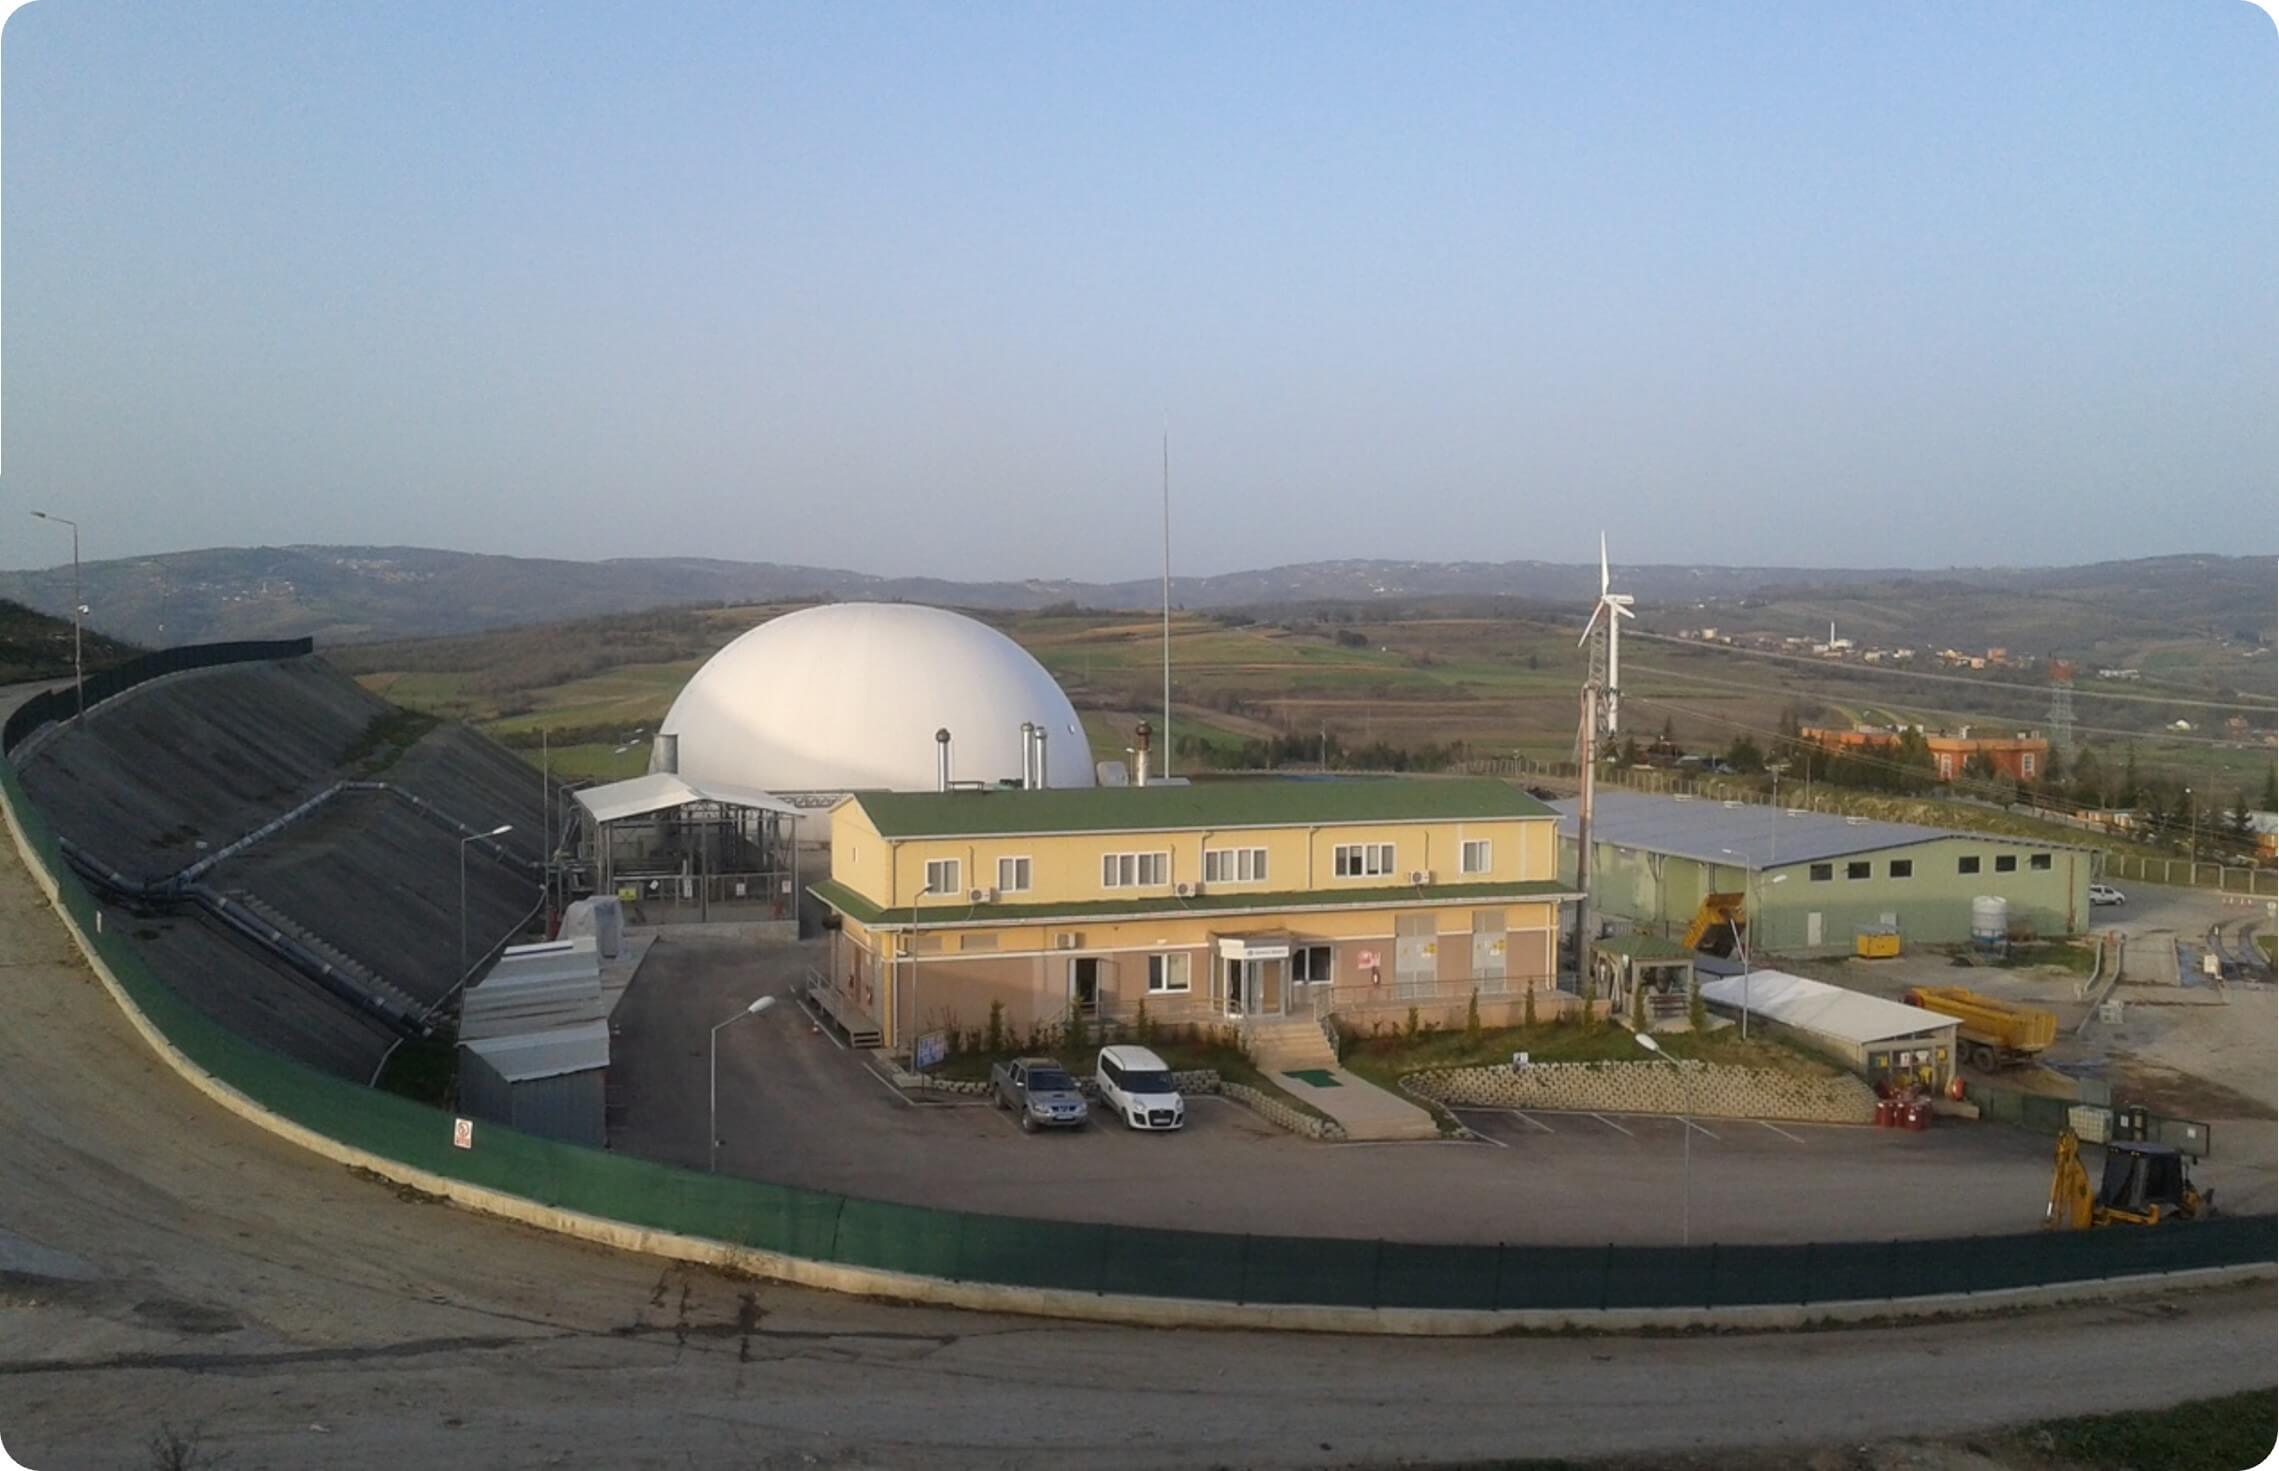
point(1363, 860)
point(1134, 870)
point(1479, 856)
point(1012, 875)
point(1234, 865)
point(1167, 973)
point(942, 876)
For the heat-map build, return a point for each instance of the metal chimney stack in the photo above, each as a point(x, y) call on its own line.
point(1028, 755)
point(665, 752)
point(942, 760)
point(1043, 778)
point(1145, 736)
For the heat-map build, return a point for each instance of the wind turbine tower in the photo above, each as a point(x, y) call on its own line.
point(1602, 702)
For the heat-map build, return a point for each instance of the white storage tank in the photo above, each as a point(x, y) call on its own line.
point(1990, 921)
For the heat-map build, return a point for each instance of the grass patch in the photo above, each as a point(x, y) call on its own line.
point(385, 739)
point(2223, 1434)
point(2063, 954)
point(1386, 1060)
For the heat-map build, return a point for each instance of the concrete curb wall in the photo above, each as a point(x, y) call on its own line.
point(1708, 1091)
point(1062, 1303)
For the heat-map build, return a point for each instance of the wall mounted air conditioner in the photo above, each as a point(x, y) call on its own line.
point(1187, 890)
point(1067, 940)
point(983, 896)
point(1420, 876)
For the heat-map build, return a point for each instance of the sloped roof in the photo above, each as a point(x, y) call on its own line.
point(1758, 836)
point(529, 1056)
point(1214, 804)
point(662, 791)
point(1815, 1006)
point(535, 988)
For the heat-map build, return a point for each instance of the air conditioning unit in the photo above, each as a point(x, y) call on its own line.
point(983, 896)
point(1067, 940)
point(1186, 890)
point(1420, 876)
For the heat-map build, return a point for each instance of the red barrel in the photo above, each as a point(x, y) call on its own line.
point(1918, 1115)
point(1883, 1108)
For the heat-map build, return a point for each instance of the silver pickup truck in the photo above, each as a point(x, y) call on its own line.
point(1040, 1091)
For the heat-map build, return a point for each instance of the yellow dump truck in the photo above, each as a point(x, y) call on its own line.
point(1994, 1033)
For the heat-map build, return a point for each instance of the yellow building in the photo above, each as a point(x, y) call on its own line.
point(1217, 901)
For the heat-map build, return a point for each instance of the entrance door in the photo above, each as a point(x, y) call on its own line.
point(1416, 948)
point(1238, 987)
point(1812, 927)
point(1488, 947)
point(1084, 984)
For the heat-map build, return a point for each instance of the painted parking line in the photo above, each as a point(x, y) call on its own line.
point(1535, 1122)
point(883, 1082)
point(1785, 1134)
point(1602, 1118)
point(1698, 1129)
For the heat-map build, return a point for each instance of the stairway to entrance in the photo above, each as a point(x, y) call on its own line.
point(1295, 1053)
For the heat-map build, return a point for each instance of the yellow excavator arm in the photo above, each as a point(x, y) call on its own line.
point(2072, 1204)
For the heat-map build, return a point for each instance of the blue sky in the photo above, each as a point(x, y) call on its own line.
point(916, 289)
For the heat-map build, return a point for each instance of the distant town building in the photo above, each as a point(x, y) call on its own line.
point(2020, 757)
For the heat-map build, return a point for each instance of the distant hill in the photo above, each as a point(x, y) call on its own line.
point(356, 594)
point(36, 646)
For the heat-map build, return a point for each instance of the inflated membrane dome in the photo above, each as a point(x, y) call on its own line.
point(848, 696)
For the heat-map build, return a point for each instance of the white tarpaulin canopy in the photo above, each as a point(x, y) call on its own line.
point(1813, 1006)
point(662, 791)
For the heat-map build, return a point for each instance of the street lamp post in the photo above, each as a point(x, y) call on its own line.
point(914, 898)
point(78, 607)
point(712, 1136)
point(1685, 1088)
point(500, 831)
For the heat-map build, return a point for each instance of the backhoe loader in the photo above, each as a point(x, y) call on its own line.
point(2144, 1185)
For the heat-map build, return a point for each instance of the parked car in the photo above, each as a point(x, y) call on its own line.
point(1040, 1091)
point(2106, 894)
point(1136, 1084)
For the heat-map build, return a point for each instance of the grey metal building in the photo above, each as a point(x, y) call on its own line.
point(534, 1043)
point(1812, 880)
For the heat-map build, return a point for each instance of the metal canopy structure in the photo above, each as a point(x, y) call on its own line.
point(678, 849)
point(1814, 1006)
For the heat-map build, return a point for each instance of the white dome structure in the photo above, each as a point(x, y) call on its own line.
point(848, 696)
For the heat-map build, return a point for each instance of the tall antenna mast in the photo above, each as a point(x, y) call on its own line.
point(1167, 745)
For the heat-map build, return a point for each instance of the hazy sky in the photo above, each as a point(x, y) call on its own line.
point(916, 289)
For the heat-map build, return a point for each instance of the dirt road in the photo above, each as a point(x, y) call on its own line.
point(163, 1264)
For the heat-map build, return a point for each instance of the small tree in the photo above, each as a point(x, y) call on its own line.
point(1412, 1027)
point(1586, 991)
point(995, 1033)
point(1697, 1015)
point(1527, 1008)
point(1075, 1033)
point(1472, 1019)
point(1637, 1005)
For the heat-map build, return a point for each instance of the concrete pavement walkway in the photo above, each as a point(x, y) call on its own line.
point(1364, 1110)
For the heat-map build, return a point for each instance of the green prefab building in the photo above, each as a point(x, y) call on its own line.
point(1811, 881)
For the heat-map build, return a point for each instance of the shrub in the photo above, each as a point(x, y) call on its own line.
point(1637, 1007)
point(1527, 1007)
point(1144, 1025)
point(1586, 993)
point(994, 1035)
point(1697, 1015)
point(1472, 1018)
point(1073, 1033)
point(1412, 1027)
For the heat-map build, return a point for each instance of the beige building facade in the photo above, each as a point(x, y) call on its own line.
point(1216, 902)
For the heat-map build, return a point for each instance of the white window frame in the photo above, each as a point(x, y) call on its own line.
point(1329, 973)
point(954, 868)
point(1135, 870)
point(1160, 966)
point(1019, 866)
point(1487, 851)
point(1364, 860)
point(1234, 865)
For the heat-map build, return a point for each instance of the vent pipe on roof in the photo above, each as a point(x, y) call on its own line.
point(665, 753)
point(1043, 779)
point(1028, 755)
point(1145, 734)
point(942, 760)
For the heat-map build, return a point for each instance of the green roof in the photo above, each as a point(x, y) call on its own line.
point(999, 812)
point(938, 916)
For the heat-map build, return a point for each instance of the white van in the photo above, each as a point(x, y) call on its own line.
point(1136, 1086)
point(2106, 894)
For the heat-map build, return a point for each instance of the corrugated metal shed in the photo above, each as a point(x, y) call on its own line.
point(527, 1056)
point(662, 791)
point(1814, 1006)
point(535, 988)
point(1758, 837)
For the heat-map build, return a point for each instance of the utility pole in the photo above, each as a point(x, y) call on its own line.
point(78, 608)
point(1167, 742)
point(1583, 832)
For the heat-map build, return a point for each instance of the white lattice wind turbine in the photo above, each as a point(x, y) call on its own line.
point(1606, 655)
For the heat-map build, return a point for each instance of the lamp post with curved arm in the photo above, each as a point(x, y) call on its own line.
point(712, 1132)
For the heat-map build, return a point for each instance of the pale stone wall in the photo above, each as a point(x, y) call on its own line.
point(1652, 1087)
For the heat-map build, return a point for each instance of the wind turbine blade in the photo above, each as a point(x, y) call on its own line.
point(1590, 627)
point(1602, 573)
point(1621, 606)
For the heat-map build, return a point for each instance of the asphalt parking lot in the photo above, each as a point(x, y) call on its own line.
point(798, 1107)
